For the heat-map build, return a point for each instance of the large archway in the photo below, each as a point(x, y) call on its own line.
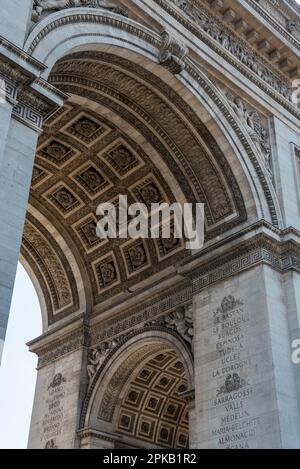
point(140, 119)
point(168, 101)
point(122, 105)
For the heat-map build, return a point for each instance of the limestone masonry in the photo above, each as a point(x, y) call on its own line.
point(146, 344)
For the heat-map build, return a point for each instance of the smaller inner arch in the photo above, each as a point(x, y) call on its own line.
point(152, 408)
point(142, 397)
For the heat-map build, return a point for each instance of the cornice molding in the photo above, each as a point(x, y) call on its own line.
point(273, 22)
point(272, 84)
point(281, 92)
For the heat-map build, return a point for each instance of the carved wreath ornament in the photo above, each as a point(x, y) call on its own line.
point(42, 6)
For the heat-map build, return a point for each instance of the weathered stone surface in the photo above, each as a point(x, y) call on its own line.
point(146, 343)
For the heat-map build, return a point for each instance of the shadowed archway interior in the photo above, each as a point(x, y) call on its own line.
point(122, 131)
point(152, 408)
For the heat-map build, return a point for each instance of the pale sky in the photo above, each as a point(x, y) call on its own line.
point(18, 368)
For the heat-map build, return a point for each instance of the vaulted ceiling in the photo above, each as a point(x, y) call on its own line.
point(123, 131)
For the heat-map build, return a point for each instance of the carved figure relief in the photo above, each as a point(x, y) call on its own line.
point(41, 6)
point(98, 356)
point(252, 121)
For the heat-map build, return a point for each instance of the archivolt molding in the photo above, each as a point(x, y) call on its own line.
point(178, 322)
point(113, 21)
point(264, 78)
point(129, 354)
point(234, 51)
point(74, 82)
point(51, 267)
point(223, 106)
point(144, 36)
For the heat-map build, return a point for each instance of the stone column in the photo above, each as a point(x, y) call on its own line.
point(292, 296)
point(5, 117)
point(28, 99)
point(15, 178)
point(244, 378)
point(60, 388)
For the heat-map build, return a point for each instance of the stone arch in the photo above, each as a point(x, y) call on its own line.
point(129, 361)
point(53, 269)
point(209, 158)
point(78, 30)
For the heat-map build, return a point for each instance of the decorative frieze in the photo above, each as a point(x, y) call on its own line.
point(41, 7)
point(29, 105)
point(227, 40)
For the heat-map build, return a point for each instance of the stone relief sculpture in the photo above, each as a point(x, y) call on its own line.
point(41, 6)
point(237, 48)
point(293, 26)
point(98, 356)
point(180, 321)
point(254, 125)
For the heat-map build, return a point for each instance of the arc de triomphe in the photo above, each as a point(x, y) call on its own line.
point(146, 344)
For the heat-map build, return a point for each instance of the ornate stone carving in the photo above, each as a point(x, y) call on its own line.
point(157, 385)
point(85, 127)
point(180, 320)
point(92, 179)
point(252, 121)
point(182, 323)
point(172, 54)
point(228, 41)
point(122, 158)
point(65, 198)
point(293, 26)
point(51, 267)
point(119, 379)
point(98, 355)
point(60, 347)
point(89, 231)
point(136, 257)
point(41, 6)
point(56, 150)
point(150, 194)
point(106, 272)
point(228, 304)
